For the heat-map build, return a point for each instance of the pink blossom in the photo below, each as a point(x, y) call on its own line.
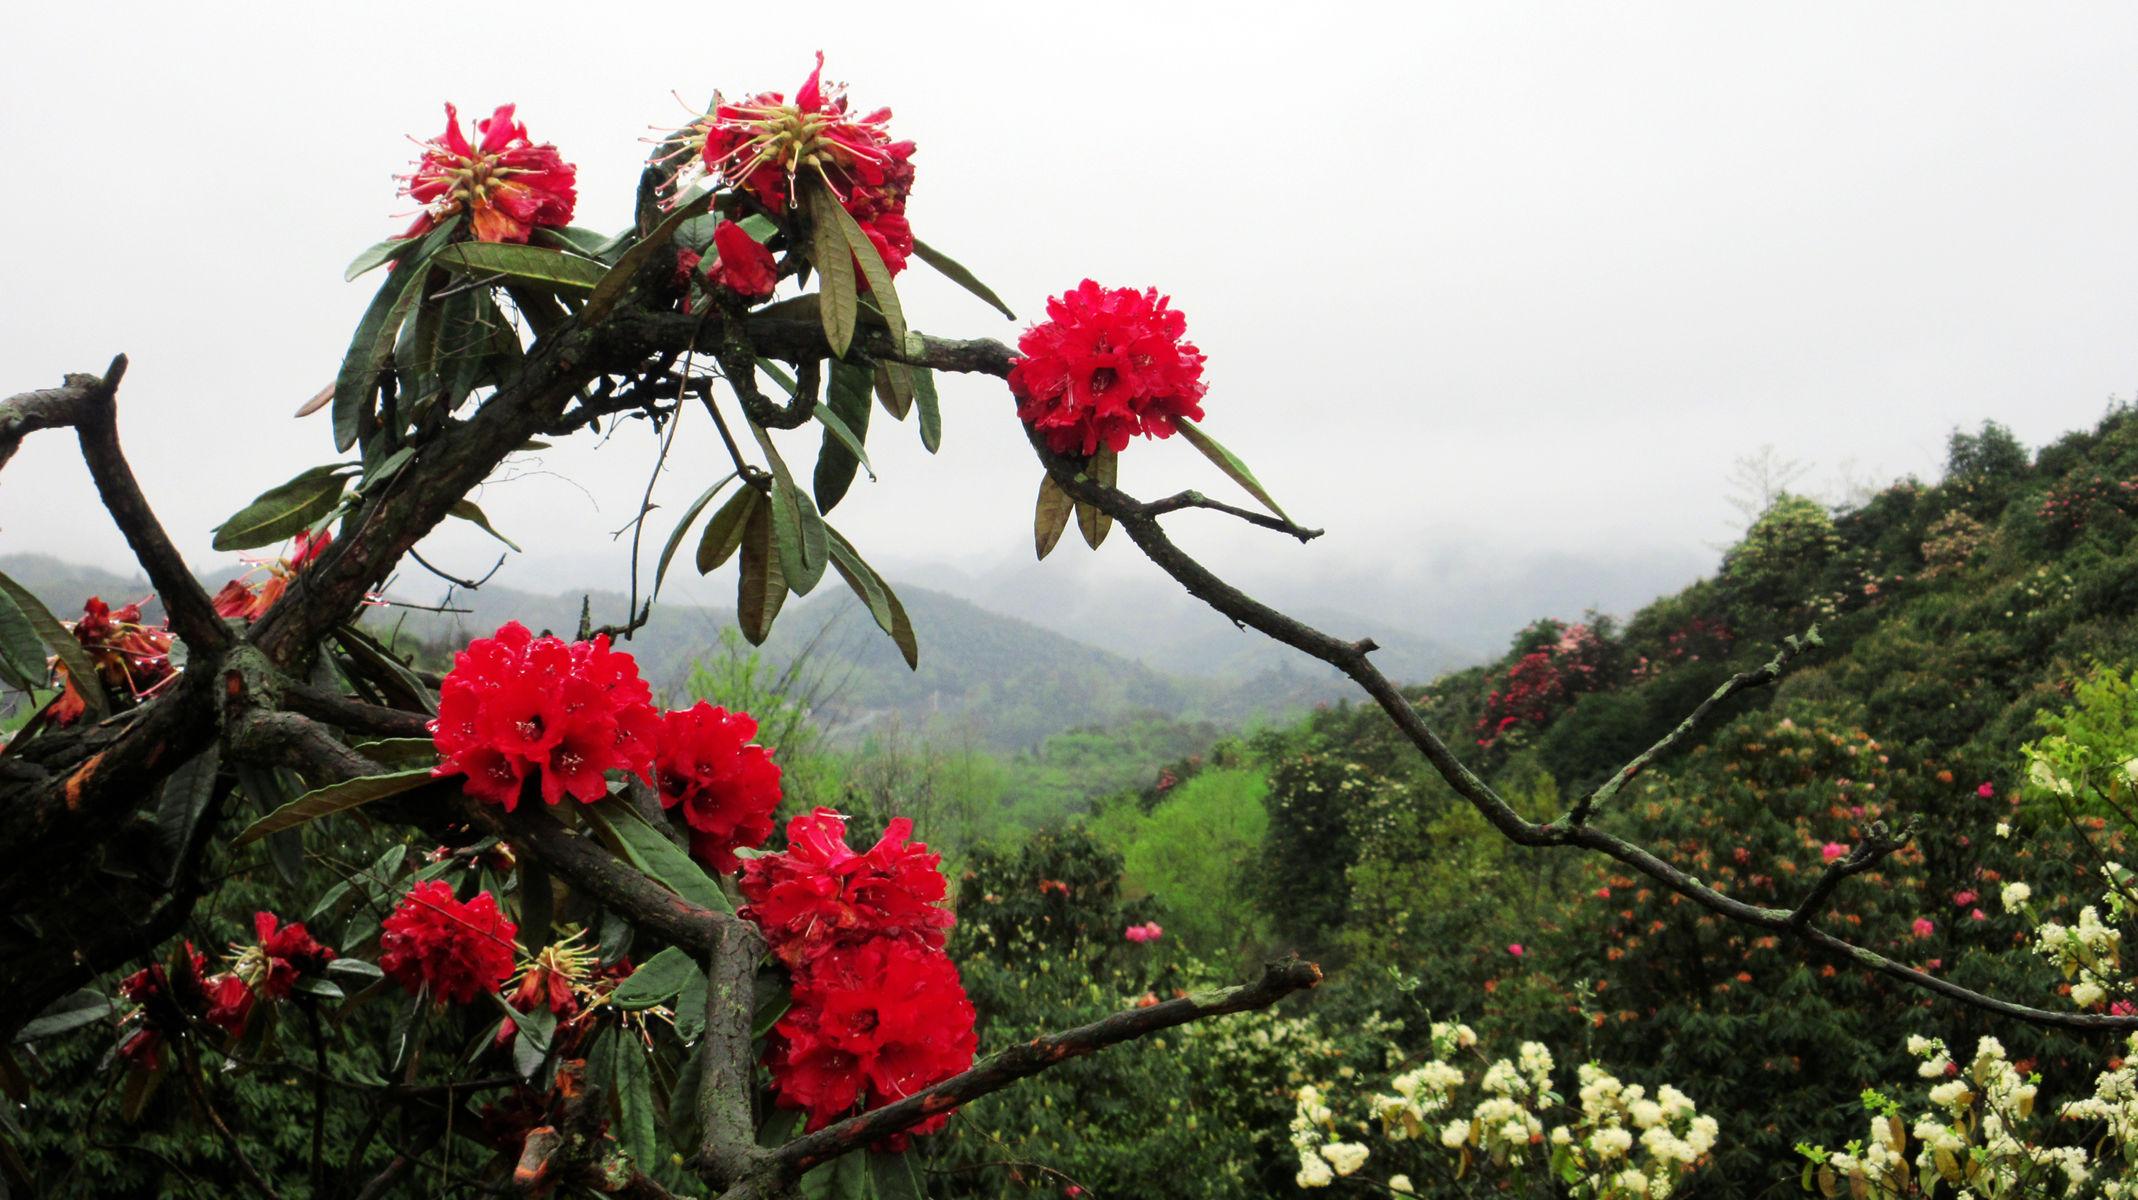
point(1924, 927)
point(1515, 948)
point(2122, 1008)
point(1986, 791)
point(1149, 931)
point(1963, 899)
point(1832, 850)
point(1978, 915)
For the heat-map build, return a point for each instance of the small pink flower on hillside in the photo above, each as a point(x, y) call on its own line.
point(1978, 915)
point(1149, 931)
point(1924, 927)
point(1986, 791)
point(1515, 949)
point(1832, 850)
point(2122, 1008)
point(1963, 899)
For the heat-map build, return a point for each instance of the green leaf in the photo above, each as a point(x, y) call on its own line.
point(769, 1001)
point(526, 264)
point(634, 1104)
point(652, 853)
point(690, 514)
point(612, 285)
point(894, 387)
point(400, 752)
point(71, 1011)
point(325, 989)
point(1051, 516)
point(22, 653)
point(761, 588)
point(377, 881)
point(588, 243)
point(845, 417)
point(657, 980)
point(62, 643)
point(280, 512)
point(1228, 462)
point(883, 605)
point(895, 1177)
point(356, 969)
point(184, 798)
point(377, 666)
point(690, 1007)
point(334, 798)
point(466, 511)
point(870, 261)
point(841, 303)
point(1091, 521)
point(377, 256)
point(374, 339)
point(931, 407)
point(957, 274)
point(724, 533)
point(798, 524)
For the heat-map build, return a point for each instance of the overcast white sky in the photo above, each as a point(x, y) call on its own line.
point(1520, 276)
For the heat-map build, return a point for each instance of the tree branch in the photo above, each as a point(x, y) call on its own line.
point(785, 1164)
point(1193, 499)
point(49, 408)
point(728, 1146)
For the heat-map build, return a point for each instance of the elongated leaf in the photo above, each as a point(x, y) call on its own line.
point(956, 273)
point(334, 798)
point(62, 643)
point(71, 1011)
point(377, 256)
point(872, 269)
point(588, 243)
point(22, 652)
point(1051, 516)
point(882, 602)
point(634, 1104)
point(658, 980)
point(375, 881)
point(525, 264)
point(725, 531)
point(845, 417)
point(184, 798)
point(797, 523)
point(651, 852)
point(400, 752)
point(761, 588)
point(894, 387)
point(466, 511)
point(1091, 521)
point(931, 408)
point(841, 303)
point(612, 285)
point(894, 1177)
point(690, 514)
point(1228, 462)
point(377, 666)
point(278, 513)
point(690, 1008)
point(373, 342)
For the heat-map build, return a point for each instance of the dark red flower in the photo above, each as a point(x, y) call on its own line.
point(1107, 365)
point(230, 1002)
point(726, 786)
point(163, 998)
point(457, 951)
point(871, 1023)
point(246, 597)
point(515, 705)
point(821, 893)
point(507, 184)
point(286, 953)
point(745, 268)
point(132, 660)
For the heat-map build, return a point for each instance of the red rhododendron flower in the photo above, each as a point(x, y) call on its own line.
point(1107, 365)
point(246, 598)
point(871, 1023)
point(516, 705)
point(726, 786)
point(458, 951)
point(132, 660)
point(284, 954)
point(507, 184)
point(230, 1002)
point(821, 893)
point(761, 144)
point(161, 1004)
point(745, 268)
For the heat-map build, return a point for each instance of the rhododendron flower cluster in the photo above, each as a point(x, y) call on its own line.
point(132, 659)
point(878, 1011)
point(515, 705)
point(1107, 364)
point(282, 955)
point(763, 144)
point(1149, 931)
point(567, 979)
point(456, 951)
point(246, 598)
point(1542, 682)
point(506, 184)
point(725, 786)
point(744, 266)
point(162, 999)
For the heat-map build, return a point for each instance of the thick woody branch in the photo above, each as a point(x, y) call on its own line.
point(1279, 979)
point(48, 408)
point(1743, 681)
point(352, 715)
point(728, 1148)
point(1871, 851)
point(590, 868)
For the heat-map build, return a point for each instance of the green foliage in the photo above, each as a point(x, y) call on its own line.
point(1198, 853)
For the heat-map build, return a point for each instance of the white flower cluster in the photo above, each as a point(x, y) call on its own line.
point(1623, 1143)
point(2090, 954)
